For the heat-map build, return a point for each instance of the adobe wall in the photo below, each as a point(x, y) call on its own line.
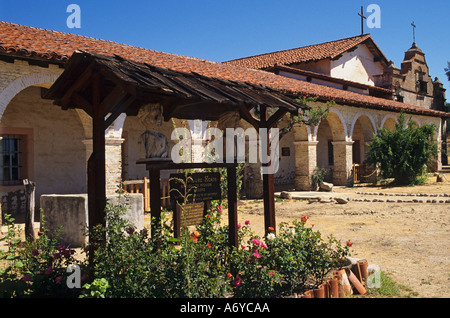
point(357, 66)
point(55, 154)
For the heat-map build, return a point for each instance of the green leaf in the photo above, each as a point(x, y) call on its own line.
point(18, 264)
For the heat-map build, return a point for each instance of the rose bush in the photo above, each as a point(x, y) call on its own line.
point(36, 268)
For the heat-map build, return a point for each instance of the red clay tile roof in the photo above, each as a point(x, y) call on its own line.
point(316, 52)
point(33, 43)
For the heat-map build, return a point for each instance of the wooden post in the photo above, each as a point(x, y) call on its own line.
point(146, 194)
point(96, 167)
point(30, 190)
point(232, 206)
point(268, 182)
point(155, 199)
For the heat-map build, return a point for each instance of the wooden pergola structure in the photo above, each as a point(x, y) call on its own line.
point(107, 86)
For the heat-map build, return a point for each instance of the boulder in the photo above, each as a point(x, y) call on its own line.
point(286, 195)
point(341, 200)
point(326, 186)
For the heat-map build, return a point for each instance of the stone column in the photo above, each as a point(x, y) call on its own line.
point(113, 149)
point(305, 163)
point(343, 162)
point(113, 154)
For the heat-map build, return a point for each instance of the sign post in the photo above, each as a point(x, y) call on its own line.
point(210, 186)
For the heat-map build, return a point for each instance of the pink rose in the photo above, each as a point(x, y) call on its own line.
point(59, 279)
point(257, 255)
point(237, 281)
point(247, 222)
point(26, 277)
point(256, 242)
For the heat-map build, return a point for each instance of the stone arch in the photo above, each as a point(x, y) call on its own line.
point(337, 124)
point(414, 119)
point(362, 130)
point(368, 116)
point(329, 131)
point(388, 122)
point(20, 84)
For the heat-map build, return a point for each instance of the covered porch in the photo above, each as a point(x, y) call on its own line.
point(106, 87)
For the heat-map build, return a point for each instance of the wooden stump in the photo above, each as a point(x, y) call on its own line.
point(30, 190)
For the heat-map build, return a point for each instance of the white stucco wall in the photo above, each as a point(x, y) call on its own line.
point(357, 66)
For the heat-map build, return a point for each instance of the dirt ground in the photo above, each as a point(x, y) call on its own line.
point(409, 240)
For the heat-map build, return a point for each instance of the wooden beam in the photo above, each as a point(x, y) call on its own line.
point(111, 100)
point(276, 116)
point(82, 81)
point(82, 103)
point(119, 108)
point(245, 113)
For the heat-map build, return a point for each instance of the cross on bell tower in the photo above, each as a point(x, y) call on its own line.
point(362, 19)
point(414, 32)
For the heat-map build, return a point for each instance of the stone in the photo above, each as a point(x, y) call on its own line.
point(326, 186)
point(69, 214)
point(341, 200)
point(156, 144)
point(286, 195)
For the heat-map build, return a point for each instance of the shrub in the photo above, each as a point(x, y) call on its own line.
point(35, 268)
point(159, 266)
point(403, 154)
point(317, 177)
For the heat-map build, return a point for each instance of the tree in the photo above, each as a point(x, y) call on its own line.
point(447, 70)
point(309, 117)
point(403, 154)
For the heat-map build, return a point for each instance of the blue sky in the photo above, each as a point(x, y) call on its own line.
point(220, 30)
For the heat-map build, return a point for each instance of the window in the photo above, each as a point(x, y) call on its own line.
point(330, 153)
point(423, 87)
point(10, 164)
